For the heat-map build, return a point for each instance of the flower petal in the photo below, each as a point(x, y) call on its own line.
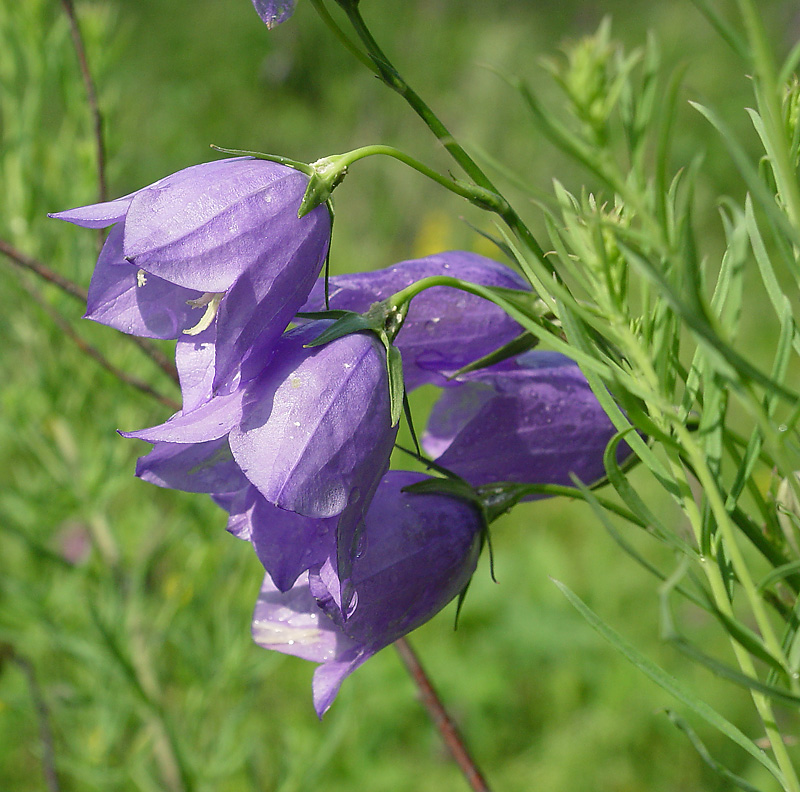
point(97, 215)
point(287, 544)
point(135, 302)
point(273, 12)
point(194, 467)
point(256, 310)
point(445, 328)
point(204, 226)
point(290, 622)
point(534, 424)
point(316, 432)
point(210, 421)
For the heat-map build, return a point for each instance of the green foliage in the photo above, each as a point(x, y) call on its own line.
point(124, 618)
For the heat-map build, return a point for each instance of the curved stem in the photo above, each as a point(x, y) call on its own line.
point(94, 106)
point(330, 22)
point(441, 719)
point(383, 67)
point(480, 196)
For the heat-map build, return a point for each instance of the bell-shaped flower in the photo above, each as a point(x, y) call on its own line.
point(530, 420)
point(445, 328)
point(312, 432)
point(416, 553)
point(213, 255)
point(273, 12)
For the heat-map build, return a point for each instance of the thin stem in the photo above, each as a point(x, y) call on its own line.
point(94, 105)
point(319, 7)
point(440, 717)
point(392, 78)
point(43, 271)
point(43, 714)
point(480, 196)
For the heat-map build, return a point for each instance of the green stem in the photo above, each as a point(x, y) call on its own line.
point(392, 78)
point(480, 196)
point(319, 7)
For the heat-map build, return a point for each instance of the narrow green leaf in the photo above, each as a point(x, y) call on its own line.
point(728, 33)
point(670, 684)
point(394, 366)
point(718, 768)
point(522, 343)
point(754, 182)
point(350, 323)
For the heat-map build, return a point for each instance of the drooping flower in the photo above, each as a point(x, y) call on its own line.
point(445, 328)
point(417, 552)
point(312, 432)
point(273, 12)
point(213, 255)
point(530, 420)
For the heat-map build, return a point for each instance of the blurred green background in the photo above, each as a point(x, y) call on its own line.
point(124, 609)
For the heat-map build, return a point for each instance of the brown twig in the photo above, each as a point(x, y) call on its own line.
point(43, 715)
point(91, 95)
point(95, 354)
point(440, 717)
point(41, 270)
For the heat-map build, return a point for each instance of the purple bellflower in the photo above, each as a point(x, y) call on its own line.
point(530, 420)
point(416, 553)
point(312, 432)
point(445, 328)
point(213, 255)
point(273, 12)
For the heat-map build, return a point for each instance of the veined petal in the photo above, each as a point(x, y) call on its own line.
point(533, 424)
point(316, 430)
point(286, 543)
point(194, 467)
point(210, 421)
point(203, 227)
point(417, 553)
point(194, 358)
point(262, 302)
point(445, 328)
point(133, 301)
point(97, 215)
point(273, 12)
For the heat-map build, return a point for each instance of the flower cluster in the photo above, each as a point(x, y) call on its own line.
point(293, 437)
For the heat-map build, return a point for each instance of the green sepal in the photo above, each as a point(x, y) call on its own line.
point(325, 176)
point(453, 487)
point(394, 366)
point(522, 343)
point(303, 167)
point(332, 313)
point(350, 323)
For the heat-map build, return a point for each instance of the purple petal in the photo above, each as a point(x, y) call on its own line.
point(445, 328)
point(97, 215)
point(290, 622)
point(194, 358)
point(417, 553)
point(273, 12)
point(287, 544)
point(133, 301)
point(210, 421)
point(535, 424)
point(266, 296)
point(204, 226)
point(315, 433)
point(194, 467)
